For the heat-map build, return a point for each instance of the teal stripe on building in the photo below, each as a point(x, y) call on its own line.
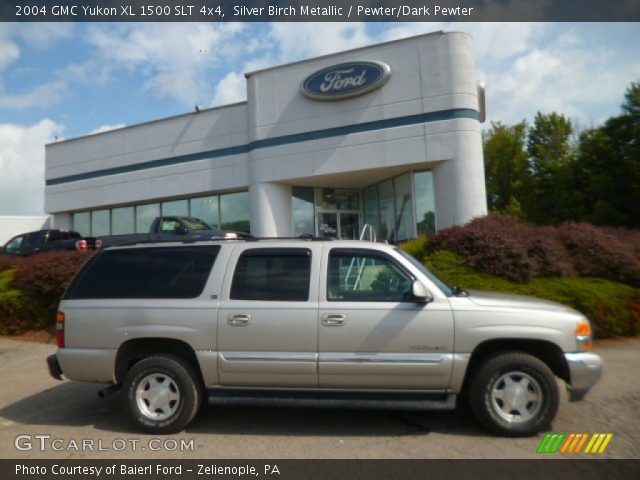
point(451, 114)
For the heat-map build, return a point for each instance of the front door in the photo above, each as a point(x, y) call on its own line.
point(267, 321)
point(371, 334)
point(336, 224)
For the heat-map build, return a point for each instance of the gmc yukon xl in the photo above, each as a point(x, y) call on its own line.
point(312, 322)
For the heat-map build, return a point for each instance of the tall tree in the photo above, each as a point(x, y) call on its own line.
point(506, 166)
point(551, 162)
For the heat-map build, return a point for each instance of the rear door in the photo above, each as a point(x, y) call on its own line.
point(267, 331)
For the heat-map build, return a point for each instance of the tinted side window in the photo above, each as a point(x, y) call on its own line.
point(270, 274)
point(15, 243)
point(37, 238)
point(54, 236)
point(361, 276)
point(169, 272)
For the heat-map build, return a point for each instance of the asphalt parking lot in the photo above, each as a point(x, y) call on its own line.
point(32, 403)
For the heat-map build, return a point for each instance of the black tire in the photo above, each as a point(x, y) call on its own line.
point(186, 382)
point(487, 409)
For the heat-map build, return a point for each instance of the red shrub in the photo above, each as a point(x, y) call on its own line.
point(47, 275)
point(7, 262)
point(489, 246)
point(600, 252)
point(504, 246)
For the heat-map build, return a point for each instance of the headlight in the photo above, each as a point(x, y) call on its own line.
point(583, 334)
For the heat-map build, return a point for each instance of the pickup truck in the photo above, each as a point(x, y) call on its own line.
point(46, 241)
point(316, 323)
point(170, 228)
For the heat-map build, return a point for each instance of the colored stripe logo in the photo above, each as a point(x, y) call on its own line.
point(594, 443)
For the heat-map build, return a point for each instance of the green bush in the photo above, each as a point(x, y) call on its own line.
point(613, 308)
point(418, 247)
point(19, 312)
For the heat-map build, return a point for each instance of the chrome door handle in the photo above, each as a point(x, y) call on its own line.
point(239, 319)
point(333, 319)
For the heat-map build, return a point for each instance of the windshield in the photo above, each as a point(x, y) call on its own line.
point(446, 289)
point(195, 224)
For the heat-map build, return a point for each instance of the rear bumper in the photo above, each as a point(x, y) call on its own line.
point(54, 367)
point(585, 369)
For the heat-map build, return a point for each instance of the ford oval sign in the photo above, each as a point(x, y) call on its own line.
point(345, 80)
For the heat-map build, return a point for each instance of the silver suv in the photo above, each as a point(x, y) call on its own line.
point(312, 322)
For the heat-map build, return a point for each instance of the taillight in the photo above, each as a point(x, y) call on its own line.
point(82, 245)
point(60, 329)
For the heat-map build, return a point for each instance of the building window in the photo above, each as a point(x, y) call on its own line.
point(337, 199)
point(425, 202)
point(387, 211)
point(302, 211)
point(234, 211)
point(404, 223)
point(100, 223)
point(145, 215)
point(206, 209)
point(82, 223)
point(178, 208)
point(123, 221)
point(370, 200)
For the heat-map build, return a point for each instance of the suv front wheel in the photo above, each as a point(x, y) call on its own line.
point(162, 394)
point(514, 394)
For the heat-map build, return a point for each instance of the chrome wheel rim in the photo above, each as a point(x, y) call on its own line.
point(516, 397)
point(157, 396)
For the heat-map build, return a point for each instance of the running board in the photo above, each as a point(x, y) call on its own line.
point(333, 399)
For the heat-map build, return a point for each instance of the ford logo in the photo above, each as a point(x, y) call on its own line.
point(345, 80)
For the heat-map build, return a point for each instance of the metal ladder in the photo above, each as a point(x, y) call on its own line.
point(373, 237)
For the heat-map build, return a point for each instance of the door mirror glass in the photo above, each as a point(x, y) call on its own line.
point(420, 292)
point(182, 229)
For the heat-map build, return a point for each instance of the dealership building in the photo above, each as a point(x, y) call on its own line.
point(386, 135)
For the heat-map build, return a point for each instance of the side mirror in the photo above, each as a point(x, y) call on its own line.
point(183, 230)
point(420, 293)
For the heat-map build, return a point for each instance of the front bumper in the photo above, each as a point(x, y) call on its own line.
point(585, 369)
point(54, 367)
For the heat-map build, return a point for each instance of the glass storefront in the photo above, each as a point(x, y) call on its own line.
point(402, 207)
point(425, 202)
point(404, 223)
point(179, 208)
point(229, 211)
point(234, 211)
point(100, 223)
point(206, 209)
point(145, 215)
point(302, 211)
point(123, 220)
point(82, 223)
point(399, 208)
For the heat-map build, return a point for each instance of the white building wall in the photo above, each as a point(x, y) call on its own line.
point(184, 135)
point(430, 73)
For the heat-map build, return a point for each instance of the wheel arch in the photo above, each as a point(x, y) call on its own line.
point(546, 351)
point(134, 350)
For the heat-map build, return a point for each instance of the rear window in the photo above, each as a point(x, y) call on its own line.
point(270, 274)
point(165, 272)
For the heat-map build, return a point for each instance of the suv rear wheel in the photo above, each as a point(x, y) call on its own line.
point(514, 394)
point(162, 394)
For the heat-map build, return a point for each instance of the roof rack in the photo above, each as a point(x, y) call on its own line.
point(126, 243)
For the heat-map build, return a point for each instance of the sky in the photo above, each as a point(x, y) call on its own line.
point(63, 80)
